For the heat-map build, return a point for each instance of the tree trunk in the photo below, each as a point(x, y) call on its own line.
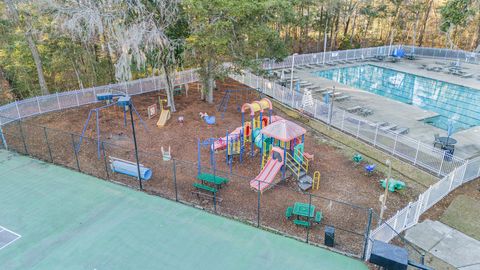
point(32, 46)
point(209, 82)
point(424, 23)
point(394, 23)
point(476, 42)
point(319, 40)
point(354, 25)
point(169, 89)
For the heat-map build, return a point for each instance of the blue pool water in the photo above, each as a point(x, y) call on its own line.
point(459, 104)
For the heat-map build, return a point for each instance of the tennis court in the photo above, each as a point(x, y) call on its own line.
point(68, 220)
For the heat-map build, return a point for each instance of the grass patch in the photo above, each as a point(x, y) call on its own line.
point(462, 214)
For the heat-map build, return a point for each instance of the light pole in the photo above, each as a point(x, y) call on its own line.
point(291, 77)
point(384, 197)
point(126, 102)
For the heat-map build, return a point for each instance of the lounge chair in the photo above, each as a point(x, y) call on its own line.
point(437, 140)
point(342, 97)
point(353, 109)
point(401, 130)
point(365, 112)
point(465, 76)
point(379, 124)
point(389, 127)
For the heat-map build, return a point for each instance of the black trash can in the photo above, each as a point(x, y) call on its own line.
point(329, 236)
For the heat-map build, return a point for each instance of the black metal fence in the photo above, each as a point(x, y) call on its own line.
point(173, 180)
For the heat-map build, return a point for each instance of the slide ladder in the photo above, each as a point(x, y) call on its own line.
point(298, 166)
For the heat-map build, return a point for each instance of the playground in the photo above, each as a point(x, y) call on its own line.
point(253, 164)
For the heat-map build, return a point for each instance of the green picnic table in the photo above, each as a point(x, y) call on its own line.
point(213, 179)
point(301, 209)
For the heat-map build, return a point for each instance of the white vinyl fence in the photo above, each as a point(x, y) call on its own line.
point(420, 154)
point(409, 216)
point(454, 171)
point(365, 53)
point(70, 99)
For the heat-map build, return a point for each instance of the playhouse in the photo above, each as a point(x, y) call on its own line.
point(279, 142)
point(283, 150)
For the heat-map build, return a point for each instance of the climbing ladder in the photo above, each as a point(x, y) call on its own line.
point(298, 167)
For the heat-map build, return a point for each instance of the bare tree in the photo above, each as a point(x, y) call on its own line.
point(27, 31)
point(128, 29)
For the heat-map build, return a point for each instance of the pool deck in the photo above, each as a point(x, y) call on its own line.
point(69, 220)
point(401, 114)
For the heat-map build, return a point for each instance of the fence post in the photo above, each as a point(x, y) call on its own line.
point(58, 102)
point(441, 164)
point(465, 170)
point(75, 152)
point(2, 137)
point(258, 204)
point(105, 160)
point(418, 208)
point(23, 137)
point(358, 128)
point(215, 202)
point(48, 144)
point(18, 110)
point(38, 105)
point(451, 182)
point(309, 209)
point(343, 119)
point(425, 199)
point(175, 179)
point(416, 154)
point(375, 137)
point(367, 234)
point(76, 97)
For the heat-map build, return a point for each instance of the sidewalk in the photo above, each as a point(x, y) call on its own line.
point(447, 244)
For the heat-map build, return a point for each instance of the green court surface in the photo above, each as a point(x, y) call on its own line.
point(68, 220)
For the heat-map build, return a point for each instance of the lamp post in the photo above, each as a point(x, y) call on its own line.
point(126, 102)
point(291, 77)
point(383, 198)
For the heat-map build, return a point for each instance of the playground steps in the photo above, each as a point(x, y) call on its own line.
point(305, 182)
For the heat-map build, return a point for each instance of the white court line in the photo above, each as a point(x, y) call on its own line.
point(18, 236)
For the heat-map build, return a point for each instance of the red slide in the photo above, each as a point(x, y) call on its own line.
point(267, 175)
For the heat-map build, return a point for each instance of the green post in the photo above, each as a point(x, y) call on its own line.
point(175, 179)
point(309, 209)
point(105, 160)
point(23, 137)
point(367, 234)
point(75, 152)
point(215, 202)
point(258, 205)
point(48, 144)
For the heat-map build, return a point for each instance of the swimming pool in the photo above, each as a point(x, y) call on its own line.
point(453, 102)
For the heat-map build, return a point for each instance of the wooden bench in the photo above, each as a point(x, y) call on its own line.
point(302, 223)
point(204, 187)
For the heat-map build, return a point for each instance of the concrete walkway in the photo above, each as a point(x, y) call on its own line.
point(396, 112)
point(447, 244)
